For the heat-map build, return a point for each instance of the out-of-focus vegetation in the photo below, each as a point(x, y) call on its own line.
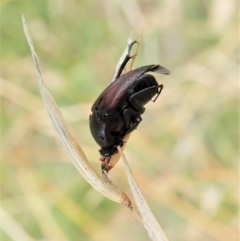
point(184, 154)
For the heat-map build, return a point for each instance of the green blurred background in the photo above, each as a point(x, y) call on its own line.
point(184, 154)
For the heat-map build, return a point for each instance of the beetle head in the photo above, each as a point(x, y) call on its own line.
point(107, 152)
point(110, 151)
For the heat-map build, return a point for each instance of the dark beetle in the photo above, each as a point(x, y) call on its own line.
point(118, 109)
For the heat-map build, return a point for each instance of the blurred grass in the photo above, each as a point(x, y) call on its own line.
point(185, 152)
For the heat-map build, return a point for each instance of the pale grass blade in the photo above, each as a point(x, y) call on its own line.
point(152, 226)
point(79, 159)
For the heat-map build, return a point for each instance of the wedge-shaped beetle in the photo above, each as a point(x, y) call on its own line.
point(118, 109)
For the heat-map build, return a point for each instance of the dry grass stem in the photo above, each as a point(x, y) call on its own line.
point(152, 226)
point(78, 157)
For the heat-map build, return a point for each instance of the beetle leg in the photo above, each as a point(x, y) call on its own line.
point(129, 122)
point(134, 125)
point(134, 99)
point(131, 125)
point(126, 59)
point(160, 87)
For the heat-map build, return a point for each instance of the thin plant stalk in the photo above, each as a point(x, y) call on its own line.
point(78, 157)
point(153, 228)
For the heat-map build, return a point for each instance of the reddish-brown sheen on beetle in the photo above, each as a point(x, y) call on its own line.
point(118, 109)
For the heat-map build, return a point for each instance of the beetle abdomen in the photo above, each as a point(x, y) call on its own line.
point(146, 87)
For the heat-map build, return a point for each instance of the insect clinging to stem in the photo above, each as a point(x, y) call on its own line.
point(118, 109)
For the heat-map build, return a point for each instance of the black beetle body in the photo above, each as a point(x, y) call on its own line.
point(118, 109)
